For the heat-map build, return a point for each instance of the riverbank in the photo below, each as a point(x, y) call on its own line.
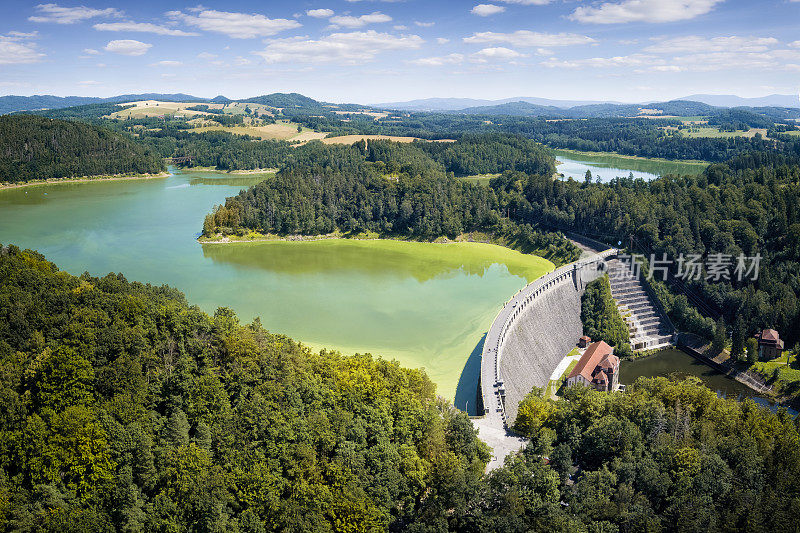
point(470, 237)
point(84, 179)
point(631, 157)
point(232, 172)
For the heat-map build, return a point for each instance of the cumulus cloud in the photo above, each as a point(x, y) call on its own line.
point(498, 53)
point(694, 43)
point(633, 60)
point(17, 48)
point(643, 11)
point(143, 27)
point(451, 59)
point(91, 51)
point(234, 25)
point(346, 48)
point(442, 40)
point(487, 55)
point(424, 24)
point(128, 47)
point(532, 2)
point(320, 13)
point(486, 10)
point(166, 63)
point(70, 15)
point(348, 21)
point(526, 38)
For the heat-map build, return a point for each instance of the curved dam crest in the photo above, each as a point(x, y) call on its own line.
point(531, 334)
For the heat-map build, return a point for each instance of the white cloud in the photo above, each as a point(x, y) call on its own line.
point(400, 27)
point(207, 55)
point(234, 25)
point(347, 48)
point(15, 48)
point(643, 11)
point(128, 47)
point(495, 54)
point(485, 10)
point(320, 13)
point(532, 2)
point(442, 40)
point(70, 15)
point(166, 63)
point(634, 60)
point(144, 27)
point(451, 59)
point(88, 83)
point(795, 44)
point(424, 24)
point(349, 21)
point(694, 43)
point(91, 51)
point(530, 38)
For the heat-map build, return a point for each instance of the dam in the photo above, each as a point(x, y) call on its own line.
point(536, 328)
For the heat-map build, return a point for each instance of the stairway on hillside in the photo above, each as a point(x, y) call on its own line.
point(647, 326)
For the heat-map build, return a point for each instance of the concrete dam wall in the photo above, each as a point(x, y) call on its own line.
point(531, 334)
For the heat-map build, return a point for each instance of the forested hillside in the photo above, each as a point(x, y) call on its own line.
point(37, 148)
point(746, 206)
point(126, 409)
point(392, 189)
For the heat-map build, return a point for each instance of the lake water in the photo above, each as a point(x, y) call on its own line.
point(427, 305)
point(674, 361)
point(609, 166)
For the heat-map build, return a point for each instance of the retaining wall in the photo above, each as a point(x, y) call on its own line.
point(532, 333)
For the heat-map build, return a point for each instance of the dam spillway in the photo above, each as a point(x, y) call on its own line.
point(531, 334)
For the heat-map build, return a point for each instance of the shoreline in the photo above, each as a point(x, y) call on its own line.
point(55, 181)
point(632, 157)
point(232, 172)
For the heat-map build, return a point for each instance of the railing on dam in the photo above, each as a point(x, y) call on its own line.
point(492, 390)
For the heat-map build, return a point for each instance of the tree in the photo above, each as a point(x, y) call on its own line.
point(738, 338)
point(720, 336)
point(752, 351)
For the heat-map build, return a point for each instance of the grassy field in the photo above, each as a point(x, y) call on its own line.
point(555, 385)
point(481, 179)
point(350, 139)
point(708, 131)
point(282, 130)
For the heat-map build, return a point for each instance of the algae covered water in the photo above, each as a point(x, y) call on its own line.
point(427, 305)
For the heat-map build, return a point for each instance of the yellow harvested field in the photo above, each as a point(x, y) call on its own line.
point(153, 108)
point(350, 139)
point(282, 131)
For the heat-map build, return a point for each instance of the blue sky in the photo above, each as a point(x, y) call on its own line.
point(371, 51)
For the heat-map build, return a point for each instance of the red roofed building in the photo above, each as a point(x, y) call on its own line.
point(770, 344)
point(598, 368)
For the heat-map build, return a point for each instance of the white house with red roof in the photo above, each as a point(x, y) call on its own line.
point(598, 368)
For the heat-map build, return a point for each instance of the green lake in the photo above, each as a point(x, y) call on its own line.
point(426, 305)
point(574, 164)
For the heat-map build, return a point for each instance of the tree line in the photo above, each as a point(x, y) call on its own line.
point(38, 148)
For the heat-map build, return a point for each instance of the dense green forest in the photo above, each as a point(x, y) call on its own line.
point(662, 456)
point(37, 148)
point(126, 409)
point(393, 189)
point(748, 206)
point(601, 319)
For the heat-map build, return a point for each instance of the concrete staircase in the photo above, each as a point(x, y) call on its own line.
point(648, 328)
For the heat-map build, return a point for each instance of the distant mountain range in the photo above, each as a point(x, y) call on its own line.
point(459, 104)
point(776, 106)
